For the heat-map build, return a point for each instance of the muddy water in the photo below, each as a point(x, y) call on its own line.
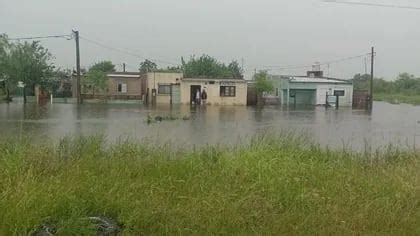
point(388, 123)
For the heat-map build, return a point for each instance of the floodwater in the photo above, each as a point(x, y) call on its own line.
point(352, 129)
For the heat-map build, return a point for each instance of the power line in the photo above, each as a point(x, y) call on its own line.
point(302, 66)
point(123, 51)
point(66, 36)
point(372, 4)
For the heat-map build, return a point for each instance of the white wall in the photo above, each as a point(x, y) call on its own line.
point(346, 100)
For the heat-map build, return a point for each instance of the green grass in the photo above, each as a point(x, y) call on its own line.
point(397, 98)
point(272, 186)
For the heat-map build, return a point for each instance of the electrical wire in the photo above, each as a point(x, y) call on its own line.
point(123, 51)
point(302, 66)
point(372, 4)
point(66, 36)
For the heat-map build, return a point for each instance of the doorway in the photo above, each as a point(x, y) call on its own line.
point(193, 92)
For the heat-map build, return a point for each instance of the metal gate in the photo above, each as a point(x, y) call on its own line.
point(175, 94)
point(303, 96)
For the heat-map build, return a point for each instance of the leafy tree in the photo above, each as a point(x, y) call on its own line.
point(104, 66)
point(206, 66)
point(235, 69)
point(147, 66)
point(262, 83)
point(405, 83)
point(95, 79)
point(29, 63)
point(53, 82)
point(361, 82)
point(4, 61)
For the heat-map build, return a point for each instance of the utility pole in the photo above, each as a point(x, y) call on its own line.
point(123, 67)
point(365, 65)
point(371, 77)
point(78, 82)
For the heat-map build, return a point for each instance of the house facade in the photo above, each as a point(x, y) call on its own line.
point(119, 86)
point(124, 85)
point(219, 91)
point(313, 89)
point(162, 87)
point(169, 88)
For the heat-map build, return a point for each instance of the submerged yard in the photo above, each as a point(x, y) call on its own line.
point(275, 185)
point(397, 98)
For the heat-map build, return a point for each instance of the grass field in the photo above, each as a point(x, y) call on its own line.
point(397, 98)
point(276, 185)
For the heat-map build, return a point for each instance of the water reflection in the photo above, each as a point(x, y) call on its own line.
point(386, 124)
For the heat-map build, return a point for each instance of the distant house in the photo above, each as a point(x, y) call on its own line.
point(312, 89)
point(124, 85)
point(120, 86)
point(219, 91)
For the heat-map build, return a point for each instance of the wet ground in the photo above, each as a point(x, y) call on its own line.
point(388, 123)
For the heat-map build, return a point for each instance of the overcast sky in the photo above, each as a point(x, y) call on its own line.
point(265, 33)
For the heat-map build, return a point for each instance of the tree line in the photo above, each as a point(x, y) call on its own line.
point(405, 83)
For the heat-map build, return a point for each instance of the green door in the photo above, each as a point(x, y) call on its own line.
point(175, 94)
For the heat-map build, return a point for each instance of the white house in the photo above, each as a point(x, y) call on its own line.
point(313, 89)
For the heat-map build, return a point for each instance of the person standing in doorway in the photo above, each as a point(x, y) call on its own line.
point(204, 97)
point(197, 97)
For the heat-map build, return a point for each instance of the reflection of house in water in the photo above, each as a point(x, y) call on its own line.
point(312, 89)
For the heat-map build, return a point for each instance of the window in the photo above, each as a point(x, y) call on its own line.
point(164, 89)
point(340, 93)
point(122, 88)
point(227, 91)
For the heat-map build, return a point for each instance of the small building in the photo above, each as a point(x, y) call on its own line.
point(120, 86)
point(125, 86)
point(162, 87)
point(312, 89)
point(219, 91)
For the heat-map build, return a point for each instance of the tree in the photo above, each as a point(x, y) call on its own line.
point(235, 69)
point(28, 63)
point(96, 80)
point(147, 66)
point(58, 77)
point(206, 66)
point(262, 84)
point(405, 83)
point(4, 59)
point(104, 66)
